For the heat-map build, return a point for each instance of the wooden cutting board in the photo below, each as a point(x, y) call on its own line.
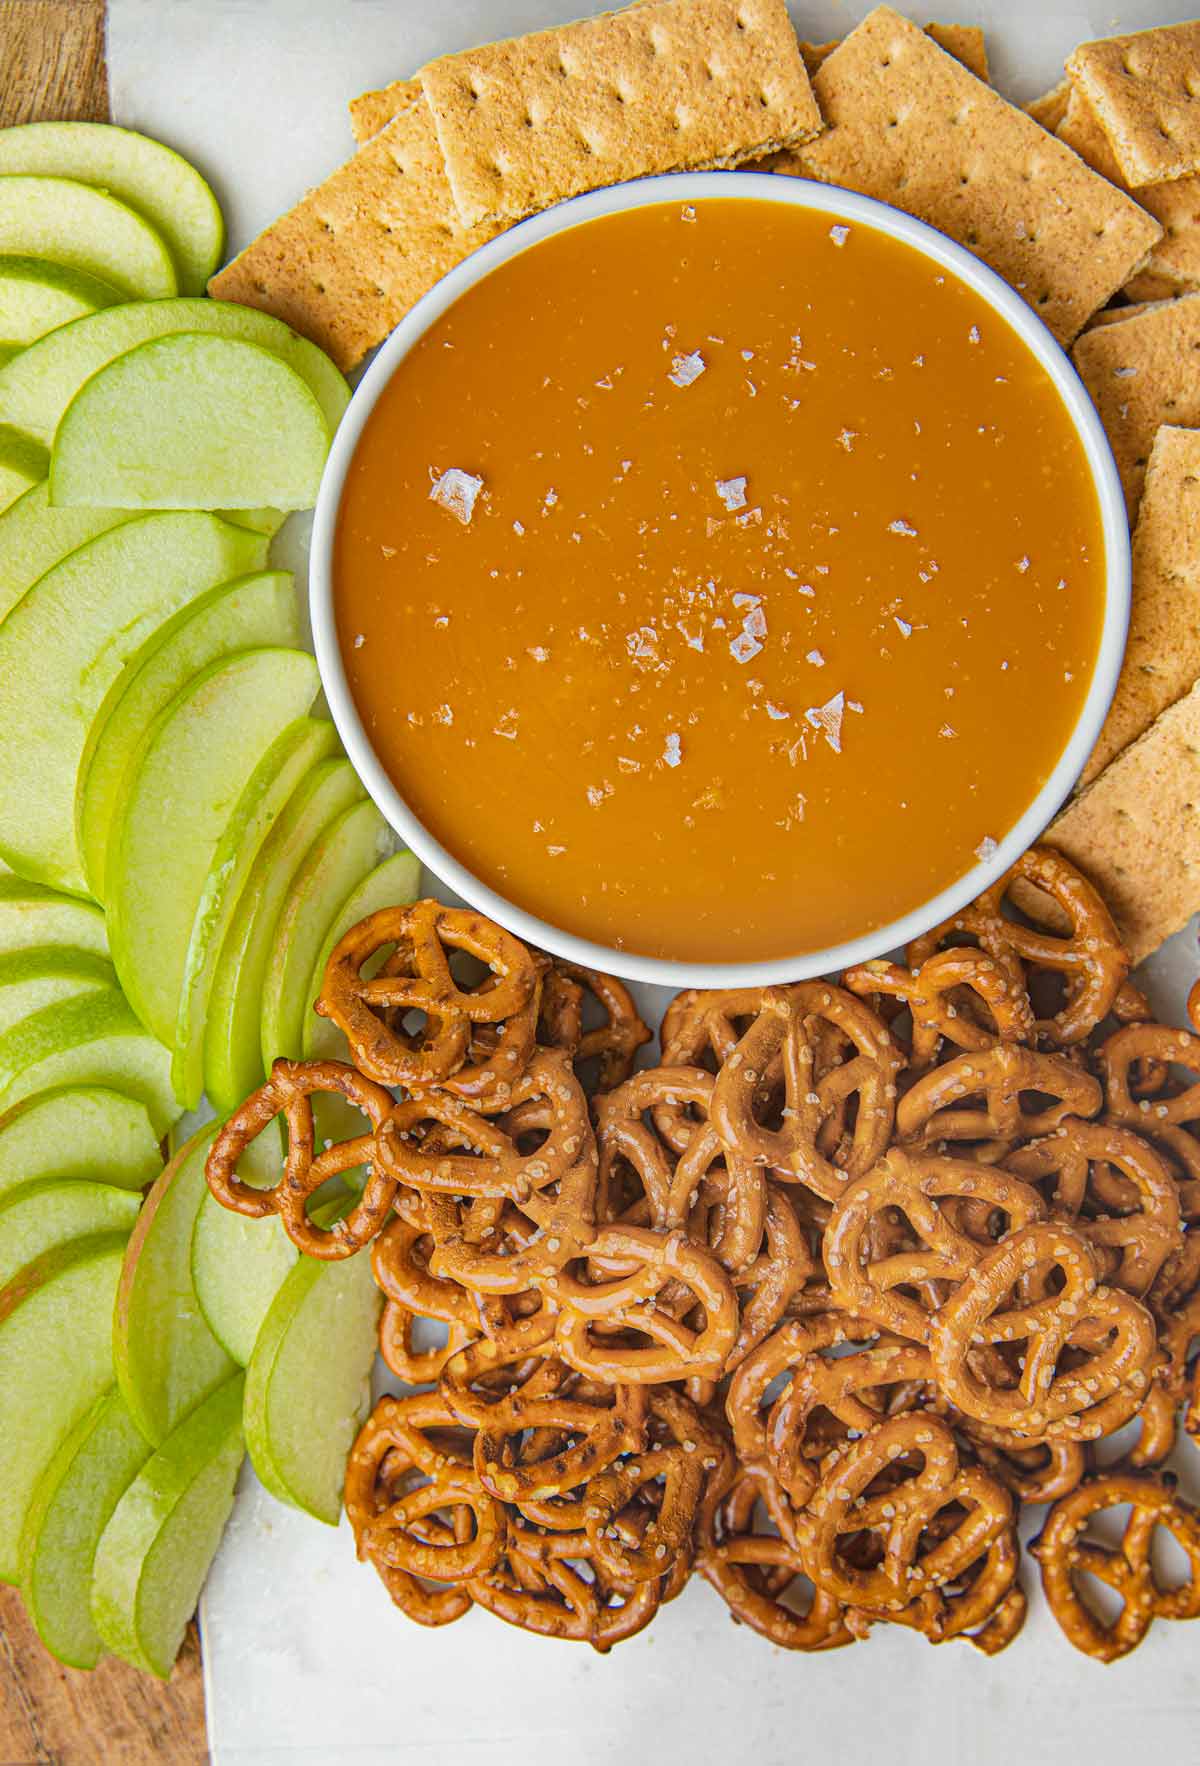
point(52, 67)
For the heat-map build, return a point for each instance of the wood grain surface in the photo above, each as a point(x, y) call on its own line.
point(51, 68)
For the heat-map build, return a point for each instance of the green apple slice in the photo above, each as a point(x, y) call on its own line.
point(32, 916)
point(166, 1357)
point(250, 612)
point(62, 647)
point(33, 979)
point(158, 183)
point(239, 1264)
point(75, 1496)
point(278, 774)
point(233, 1063)
point(39, 1216)
point(156, 1550)
point(390, 884)
point(93, 1039)
point(56, 1352)
point(36, 296)
point(336, 864)
point(191, 421)
point(23, 463)
point(308, 1382)
point(87, 1131)
point(198, 755)
point(37, 387)
point(85, 229)
point(34, 538)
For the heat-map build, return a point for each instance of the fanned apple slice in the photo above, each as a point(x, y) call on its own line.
point(93, 1039)
point(56, 1352)
point(233, 1060)
point(33, 979)
point(39, 1216)
point(198, 755)
point(158, 183)
point(154, 1554)
point(391, 884)
point(23, 463)
point(34, 538)
point(33, 916)
point(252, 611)
point(38, 385)
point(75, 1497)
point(85, 229)
point(62, 647)
point(83, 1131)
point(294, 753)
point(191, 421)
point(37, 296)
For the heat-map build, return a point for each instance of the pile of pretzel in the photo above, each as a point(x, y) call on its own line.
point(813, 1306)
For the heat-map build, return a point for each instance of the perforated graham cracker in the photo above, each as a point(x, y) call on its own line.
point(909, 125)
point(1173, 266)
point(1162, 656)
point(1145, 90)
point(372, 111)
point(663, 86)
point(966, 43)
point(350, 259)
point(1051, 107)
point(1141, 373)
point(1136, 831)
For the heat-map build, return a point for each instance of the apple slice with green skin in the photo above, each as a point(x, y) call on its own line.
point(41, 1215)
point(345, 853)
point(86, 1131)
point(85, 229)
point(233, 1062)
point(75, 1497)
point(239, 1264)
point(62, 647)
point(158, 183)
point(166, 1357)
point(32, 916)
point(155, 1552)
point(56, 1352)
point(278, 774)
point(93, 1039)
point(23, 463)
point(308, 1384)
point(191, 421)
point(250, 612)
point(34, 538)
point(36, 296)
point(391, 884)
point(33, 979)
point(37, 387)
point(199, 754)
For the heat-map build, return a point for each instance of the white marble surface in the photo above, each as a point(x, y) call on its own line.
point(305, 1657)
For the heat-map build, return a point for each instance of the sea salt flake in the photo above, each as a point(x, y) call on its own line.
point(556, 851)
point(673, 749)
point(986, 849)
point(456, 491)
point(550, 498)
point(847, 438)
point(815, 657)
point(538, 652)
point(685, 369)
point(1022, 565)
point(902, 626)
point(747, 355)
point(443, 715)
point(605, 385)
point(518, 528)
point(442, 621)
point(388, 551)
point(743, 647)
point(732, 492)
point(687, 212)
point(359, 641)
point(973, 334)
point(903, 527)
point(1124, 373)
point(839, 235)
point(778, 712)
point(948, 731)
point(749, 517)
point(828, 719)
point(506, 725)
point(597, 793)
point(628, 766)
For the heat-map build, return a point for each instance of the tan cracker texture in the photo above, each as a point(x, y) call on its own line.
point(1145, 90)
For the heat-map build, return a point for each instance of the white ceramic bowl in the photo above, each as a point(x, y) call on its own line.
point(840, 205)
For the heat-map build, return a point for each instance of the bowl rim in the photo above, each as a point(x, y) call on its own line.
point(842, 206)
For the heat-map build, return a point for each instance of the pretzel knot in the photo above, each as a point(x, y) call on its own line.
point(896, 1280)
point(606, 1051)
point(1125, 1056)
point(540, 1586)
point(961, 996)
point(400, 1265)
point(1103, 1339)
point(998, 1097)
point(637, 1525)
point(871, 1486)
point(415, 977)
point(289, 1093)
point(1126, 1568)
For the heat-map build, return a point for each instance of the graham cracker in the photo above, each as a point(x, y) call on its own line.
point(664, 86)
point(1145, 90)
point(372, 111)
point(348, 261)
point(966, 43)
point(1162, 655)
point(1051, 107)
point(1136, 831)
point(1141, 373)
point(1173, 265)
point(1117, 315)
point(909, 125)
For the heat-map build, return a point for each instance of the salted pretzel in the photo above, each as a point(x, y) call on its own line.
point(400, 1265)
point(978, 1099)
point(1122, 1059)
point(965, 997)
point(289, 1093)
point(605, 1051)
point(1126, 1568)
point(768, 1285)
point(538, 1586)
point(640, 1513)
point(416, 977)
point(1068, 933)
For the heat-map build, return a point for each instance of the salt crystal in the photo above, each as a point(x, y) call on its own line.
point(1124, 373)
point(776, 711)
point(388, 551)
point(359, 641)
point(685, 369)
point(828, 719)
point(732, 492)
point(555, 851)
point(839, 235)
point(902, 527)
point(518, 528)
point(986, 849)
point(973, 334)
point(456, 491)
point(506, 725)
point(815, 657)
point(847, 439)
point(550, 498)
point(902, 626)
point(539, 653)
point(1022, 565)
point(673, 750)
point(743, 647)
point(443, 715)
point(687, 212)
point(947, 730)
point(747, 355)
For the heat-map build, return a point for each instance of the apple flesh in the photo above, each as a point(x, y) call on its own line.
point(74, 1499)
point(34, 538)
point(85, 1130)
point(62, 647)
point(37, 296)
point(30, 980)
point(39, 1216)
point(155, 1552)
point(157, 183)
point(56, 1352)
point(253, 611)
point(32, 916)
point(238, 1264)
point(23, 463)
point(391, 884)
point(85, 229)
point(93, 1039)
